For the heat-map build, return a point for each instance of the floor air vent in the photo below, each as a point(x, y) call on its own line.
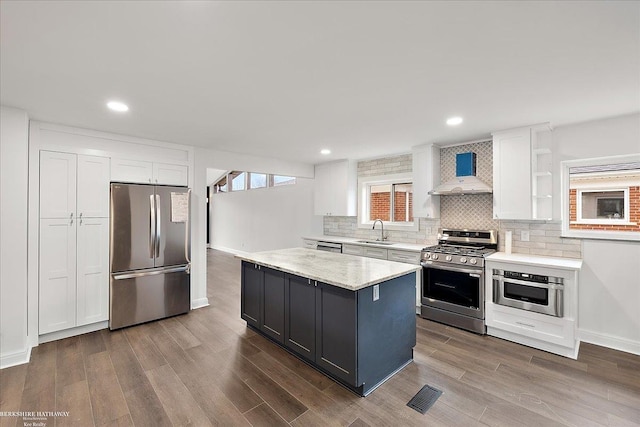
point(424, 399)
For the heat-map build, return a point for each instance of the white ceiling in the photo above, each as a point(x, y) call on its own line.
point(285, 79)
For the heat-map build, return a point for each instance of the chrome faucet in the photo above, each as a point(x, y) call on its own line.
point(381, 228)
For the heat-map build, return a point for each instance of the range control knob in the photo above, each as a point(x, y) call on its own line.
point(463, 260)
point(448, 257)
point(473, 261)
point(434, 256)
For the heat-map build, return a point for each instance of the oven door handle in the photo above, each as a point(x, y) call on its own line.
point(469, 271)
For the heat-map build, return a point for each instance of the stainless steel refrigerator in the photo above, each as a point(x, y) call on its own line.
point(149, 253)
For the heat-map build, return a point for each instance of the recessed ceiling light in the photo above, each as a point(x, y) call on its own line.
point(325, 151)
point(118, 106)
point(454, 121)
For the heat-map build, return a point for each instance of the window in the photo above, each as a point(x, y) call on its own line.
point(602, 207)
point(601, 198)
point(278, 180)
point(221, 185)
point(391, 202)
point(386, 197)
point(238, 180)
point(257, 180)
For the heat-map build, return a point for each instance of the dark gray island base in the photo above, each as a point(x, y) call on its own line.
point(346, 334)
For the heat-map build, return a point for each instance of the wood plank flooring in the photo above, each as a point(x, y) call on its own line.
point(206, 368)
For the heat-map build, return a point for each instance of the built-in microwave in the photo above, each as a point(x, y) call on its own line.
point(531, 292)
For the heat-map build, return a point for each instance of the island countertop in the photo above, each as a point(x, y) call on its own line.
point(345, 271)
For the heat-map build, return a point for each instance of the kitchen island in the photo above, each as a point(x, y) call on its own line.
point(352, 318)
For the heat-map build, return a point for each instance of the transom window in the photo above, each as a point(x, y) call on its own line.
point(241, 180)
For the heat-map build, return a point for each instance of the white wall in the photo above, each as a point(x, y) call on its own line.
point(264, 218)
point(14, 162)
point(609, 288)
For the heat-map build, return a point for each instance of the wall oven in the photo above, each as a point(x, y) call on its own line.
point(531, 292)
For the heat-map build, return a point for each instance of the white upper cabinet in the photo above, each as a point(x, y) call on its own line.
point(168, 174)
point(426, 176)
point(57, 185)
point(136, 171)
point(73, 185)
point(335, 189)
point(514, 177)
point(93, 186)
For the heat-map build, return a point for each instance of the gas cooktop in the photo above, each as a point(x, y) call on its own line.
point(461, 247)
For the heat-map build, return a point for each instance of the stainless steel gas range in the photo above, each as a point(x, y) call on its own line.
point(453, 278)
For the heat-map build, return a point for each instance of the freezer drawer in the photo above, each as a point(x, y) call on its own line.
point(140, 297)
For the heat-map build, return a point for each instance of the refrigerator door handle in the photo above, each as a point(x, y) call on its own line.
point(152, 226)
point(158, 228)
point(187, 229)
point(154, 272)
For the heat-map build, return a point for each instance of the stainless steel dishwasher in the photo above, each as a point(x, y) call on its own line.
point(330, 247)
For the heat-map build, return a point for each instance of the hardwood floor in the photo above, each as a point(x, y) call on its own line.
point(206, 368)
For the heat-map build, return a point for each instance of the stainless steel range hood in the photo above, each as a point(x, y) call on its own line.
point(465, 181)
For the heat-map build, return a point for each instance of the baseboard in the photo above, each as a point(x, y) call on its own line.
point(616, 343)
point(199, 303)
point(14, 359)
point(66, 333)
point(230, 250)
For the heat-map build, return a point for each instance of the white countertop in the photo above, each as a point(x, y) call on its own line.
point(354, 241)
point(345, 271)
point(542, 261)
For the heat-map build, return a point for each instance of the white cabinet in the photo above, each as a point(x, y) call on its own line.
point(374, 252)
point(92, 298)
point(335, 188)
point(426, 176)
point(549, 333)
point(74, 240)
point(353, 250)
point(92, 195)
point(309, 244)
point(137, 171)
point(410, 257)
point(73, 185)
point(57, 283)
point(518, 176)
point(58, 188)
point(167, 174)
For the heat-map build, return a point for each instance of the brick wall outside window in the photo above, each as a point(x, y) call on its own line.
point(634, 214)
point(381, 206)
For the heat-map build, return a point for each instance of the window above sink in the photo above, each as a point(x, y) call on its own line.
point(389, 198)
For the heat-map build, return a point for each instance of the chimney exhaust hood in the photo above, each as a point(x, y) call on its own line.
point(465, 181)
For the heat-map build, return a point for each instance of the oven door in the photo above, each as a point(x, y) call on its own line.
point(452, 288)
point(531, 296)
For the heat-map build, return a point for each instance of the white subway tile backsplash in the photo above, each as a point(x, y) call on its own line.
point(469, 211)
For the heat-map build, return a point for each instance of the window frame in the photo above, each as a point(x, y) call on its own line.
point(364, 200)
point(602, 221)
point(565, 176)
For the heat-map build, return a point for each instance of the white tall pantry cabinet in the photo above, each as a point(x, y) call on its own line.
point(74, 240)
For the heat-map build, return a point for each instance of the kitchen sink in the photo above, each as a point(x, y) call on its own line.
point(374, 242)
